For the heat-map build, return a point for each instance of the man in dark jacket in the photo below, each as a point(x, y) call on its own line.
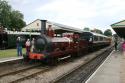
point(19, 46)
point(116, 44)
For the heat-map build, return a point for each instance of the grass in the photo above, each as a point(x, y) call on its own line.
point(10, 53)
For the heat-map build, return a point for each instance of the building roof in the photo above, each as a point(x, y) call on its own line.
point(65, 27)
point(56, 26)
point(119, 28)
point(118, 24)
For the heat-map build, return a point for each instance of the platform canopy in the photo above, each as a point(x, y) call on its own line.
point(119, 28)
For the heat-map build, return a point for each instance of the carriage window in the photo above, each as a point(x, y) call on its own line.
point(54, 35)
point(104, 39)
point(57, 35)
point(101, 38)
point(90, 40)
point(95, 38)
point(98, 38)
point(85, 36)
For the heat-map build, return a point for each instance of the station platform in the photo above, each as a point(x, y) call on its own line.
point(112, 70)
point(4, 60)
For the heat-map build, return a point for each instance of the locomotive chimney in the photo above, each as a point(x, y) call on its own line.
point(43, 26)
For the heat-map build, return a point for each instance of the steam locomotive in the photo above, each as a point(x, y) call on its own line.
point(52, 46)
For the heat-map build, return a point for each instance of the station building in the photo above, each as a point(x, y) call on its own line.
point(119, 28)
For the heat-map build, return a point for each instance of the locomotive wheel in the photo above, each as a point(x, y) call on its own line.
point(74, 55)
point(52, 61)
point(80, 53)
point(85, 51)
point(91, 49)
point(26, 58)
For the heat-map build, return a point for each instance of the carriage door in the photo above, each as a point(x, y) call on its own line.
point(4, 40)
point(0, 40)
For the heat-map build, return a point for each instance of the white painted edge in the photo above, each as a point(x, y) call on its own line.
point(99, 67)
point(64, 57)
point(12, 59)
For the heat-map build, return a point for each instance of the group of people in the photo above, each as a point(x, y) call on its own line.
point(122, 46)
point(28, 44)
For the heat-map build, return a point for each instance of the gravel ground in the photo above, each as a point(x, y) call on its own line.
point(58, 71)
point(8, 68)
point(13, 77)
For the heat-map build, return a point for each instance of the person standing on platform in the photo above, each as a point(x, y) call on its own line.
point(123, 48)
point(32, 45)
point(19, 46)
point(116, 44)
point(27, 46)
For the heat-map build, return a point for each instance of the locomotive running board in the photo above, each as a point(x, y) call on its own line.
point(64, 57)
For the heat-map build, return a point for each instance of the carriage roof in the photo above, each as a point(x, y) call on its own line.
point(22, 33)
point(96, 34)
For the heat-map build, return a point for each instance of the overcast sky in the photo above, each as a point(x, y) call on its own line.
point(77, 13)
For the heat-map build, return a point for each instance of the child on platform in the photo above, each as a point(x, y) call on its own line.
point(27, 46)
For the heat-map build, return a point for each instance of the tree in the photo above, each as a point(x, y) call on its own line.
point(108, 32)
point(86, 29)
point(5, 11)
point(9, 18)
point(97, 31)
point(17, 20)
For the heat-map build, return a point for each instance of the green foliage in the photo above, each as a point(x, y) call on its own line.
point(97, 31)
point(5, 11)
point(108, 32)
point(9, 18)
point(16, 20)
point(86, 29)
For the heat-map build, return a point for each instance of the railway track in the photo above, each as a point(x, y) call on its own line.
point(34, 72)
point(82, 72)
point(16, 76)
point(26, 73)
point(18, 69)
point(22, 72)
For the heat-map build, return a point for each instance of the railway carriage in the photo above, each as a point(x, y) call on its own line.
point(95, 40)
point(2, 38)
point(8, 38)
